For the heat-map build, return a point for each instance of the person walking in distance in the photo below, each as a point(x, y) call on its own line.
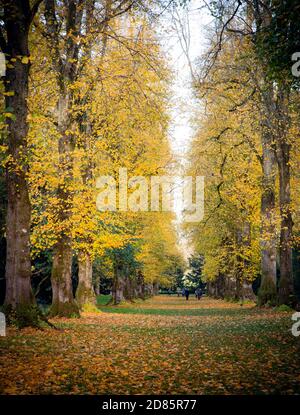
point(187, 294)
point(198, 293)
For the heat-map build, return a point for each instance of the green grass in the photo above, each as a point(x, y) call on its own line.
point(176, 312)
point(103, 300)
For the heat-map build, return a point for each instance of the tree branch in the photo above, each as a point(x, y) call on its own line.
point(34, 9)
point(3, 44)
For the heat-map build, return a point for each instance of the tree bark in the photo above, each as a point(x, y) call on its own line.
point(239, 265)
point(268, 291)
point(63, 303)
point(18, 264)
point(276, 123)
point(286, 294)
point(155, 288)
point(64, 62)
point(85, 293)
point(17, 18)
point(140, 286)
point(128, 288)
point(118, 284)
point(97, 285)
point(286, 282)
point(243, 285)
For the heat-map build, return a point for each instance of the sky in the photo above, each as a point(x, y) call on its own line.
point(184, 33)
point(193, 23)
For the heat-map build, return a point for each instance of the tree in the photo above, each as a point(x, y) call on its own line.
point(227, 151)
point(271, 27)
point(119, 119)
point(71, 28)
point(193, 277)
point(17, 17)
point(277, 39)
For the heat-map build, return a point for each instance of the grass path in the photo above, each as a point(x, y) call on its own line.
point(163, 345)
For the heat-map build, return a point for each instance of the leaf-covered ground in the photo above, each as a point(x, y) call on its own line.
point(164, 345)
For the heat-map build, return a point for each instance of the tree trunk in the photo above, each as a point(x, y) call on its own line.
point(63, 303)
point(220, 286)
point(118, 285)
point(247, 292)
point(286, 283)
point(140, 286)
point(239, 264)
point(128, 288)
point(85, 293)
point(65, 58)
point(155, 288)
point(267, 291)
point(97, 285)
point(227, 286)
point(210, 288)
point(18, 266)
point(243, 241)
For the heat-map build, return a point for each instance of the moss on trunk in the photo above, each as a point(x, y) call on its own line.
point(66, 309)
point(267, 294)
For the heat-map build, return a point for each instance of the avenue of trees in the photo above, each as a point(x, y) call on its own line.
point(85, 92)
point(248, 141)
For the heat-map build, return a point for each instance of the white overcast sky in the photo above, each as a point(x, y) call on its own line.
point(194, 23)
